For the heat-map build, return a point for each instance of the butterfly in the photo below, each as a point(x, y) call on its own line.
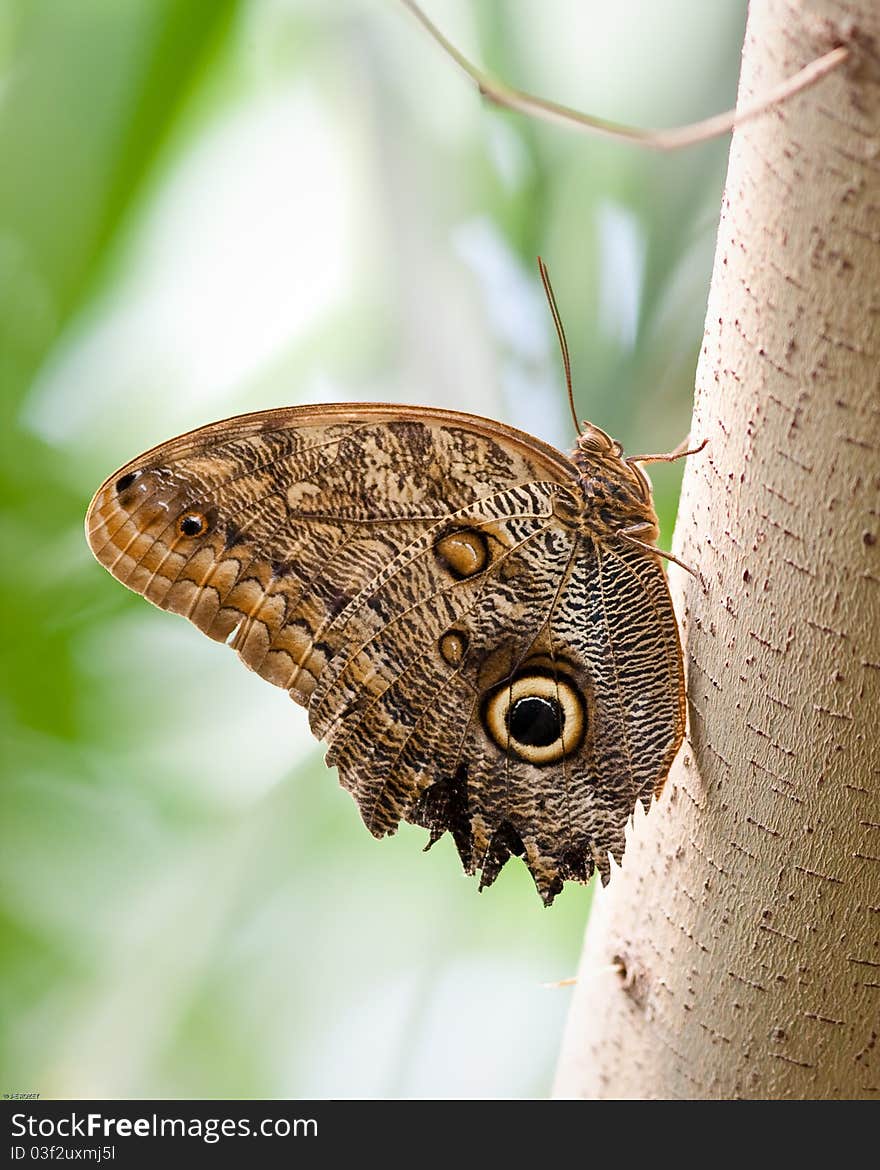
point(479, 626)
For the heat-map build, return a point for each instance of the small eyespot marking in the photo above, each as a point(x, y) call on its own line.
point(464, 553)
point(192, 524)
point(453, 647)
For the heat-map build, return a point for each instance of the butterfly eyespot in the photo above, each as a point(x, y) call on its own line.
point(126, 481)
point(192, 524)
point(541, 718)
point(464, 553)
point(535, 721)
point(453, 647)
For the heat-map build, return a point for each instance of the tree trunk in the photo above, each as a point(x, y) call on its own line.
point(737, 951)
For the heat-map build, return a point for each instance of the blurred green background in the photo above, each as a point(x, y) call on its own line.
point(208, 207)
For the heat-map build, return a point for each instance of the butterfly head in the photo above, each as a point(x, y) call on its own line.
point(617, 490)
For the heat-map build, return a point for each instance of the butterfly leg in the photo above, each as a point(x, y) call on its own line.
point(680, 452)
point(633, 532)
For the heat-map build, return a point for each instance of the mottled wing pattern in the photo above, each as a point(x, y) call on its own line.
point(419, 580)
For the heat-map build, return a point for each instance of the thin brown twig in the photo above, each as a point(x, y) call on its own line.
point(511, 98)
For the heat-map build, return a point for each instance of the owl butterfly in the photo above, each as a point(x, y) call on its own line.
point(479, 626)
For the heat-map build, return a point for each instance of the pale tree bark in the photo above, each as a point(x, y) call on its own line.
point(736, 953)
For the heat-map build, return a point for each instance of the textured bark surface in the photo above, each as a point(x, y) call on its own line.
point(737, 952)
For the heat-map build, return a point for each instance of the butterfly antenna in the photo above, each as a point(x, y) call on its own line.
point(560, 333)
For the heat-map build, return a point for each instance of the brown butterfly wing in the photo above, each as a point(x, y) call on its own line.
point(415, 578)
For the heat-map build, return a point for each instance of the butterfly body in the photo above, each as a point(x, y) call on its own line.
point(461, 608)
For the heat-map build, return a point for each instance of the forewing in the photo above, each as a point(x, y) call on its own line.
point(261, 529)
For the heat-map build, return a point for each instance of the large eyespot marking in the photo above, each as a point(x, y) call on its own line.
point(539, 717)
point(535, 721)
point(192, 524)
point(463, 553)
point(453, 647)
